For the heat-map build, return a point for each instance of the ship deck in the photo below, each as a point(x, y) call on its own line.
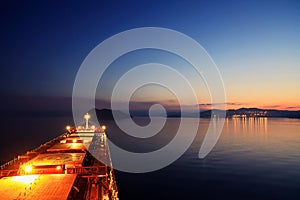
point(64, 168)
point(37, 187)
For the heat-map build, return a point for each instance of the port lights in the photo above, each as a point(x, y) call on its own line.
point(103, 127)
point(68, 128)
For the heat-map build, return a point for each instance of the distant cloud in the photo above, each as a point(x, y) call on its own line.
point(293, 107)
point(170, 105)
point(174, 105)
point(139, 105)
point(272, 106)
point(280, 107)
point(228, 103)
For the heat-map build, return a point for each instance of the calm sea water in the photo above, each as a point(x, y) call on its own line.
point(253, 159)
point(256, 158)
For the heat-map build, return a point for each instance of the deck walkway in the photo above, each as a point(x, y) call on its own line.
point(37, 187)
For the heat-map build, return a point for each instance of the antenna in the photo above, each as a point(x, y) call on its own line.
point(87, 116)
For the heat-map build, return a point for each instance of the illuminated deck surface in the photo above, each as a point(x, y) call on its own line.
point(57, 159)
point(55, 166)
point(67, 146)
point(40, 187)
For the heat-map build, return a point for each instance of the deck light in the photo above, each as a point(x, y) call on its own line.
point(28, 168)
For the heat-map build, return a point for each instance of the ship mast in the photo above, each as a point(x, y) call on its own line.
point(87, 116)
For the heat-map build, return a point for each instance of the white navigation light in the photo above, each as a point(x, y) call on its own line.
point(87, 116)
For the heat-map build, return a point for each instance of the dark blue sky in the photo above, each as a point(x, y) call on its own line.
point(44, 42)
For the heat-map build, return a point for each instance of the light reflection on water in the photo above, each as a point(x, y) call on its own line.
point(255, 158)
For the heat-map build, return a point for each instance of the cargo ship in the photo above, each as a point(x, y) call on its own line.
point(75, 165)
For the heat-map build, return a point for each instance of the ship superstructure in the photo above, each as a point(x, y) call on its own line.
point(63, 168)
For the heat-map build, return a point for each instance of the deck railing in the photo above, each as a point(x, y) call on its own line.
point(86, 170)
point(13, 172)
point(40, 148)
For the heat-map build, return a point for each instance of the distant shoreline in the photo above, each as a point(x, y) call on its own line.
point(106, 114)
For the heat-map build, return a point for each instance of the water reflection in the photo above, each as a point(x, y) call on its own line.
point(248, 124)
point(257, 153)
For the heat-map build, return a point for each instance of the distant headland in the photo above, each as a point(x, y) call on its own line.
point(106, 114)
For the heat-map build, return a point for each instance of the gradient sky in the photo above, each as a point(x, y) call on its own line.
point(255, 44)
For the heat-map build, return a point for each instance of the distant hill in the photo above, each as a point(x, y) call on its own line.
point(257, 112)
point(106, 114)
point(248, 112)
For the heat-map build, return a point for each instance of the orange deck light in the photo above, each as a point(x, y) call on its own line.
point(28, 168)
